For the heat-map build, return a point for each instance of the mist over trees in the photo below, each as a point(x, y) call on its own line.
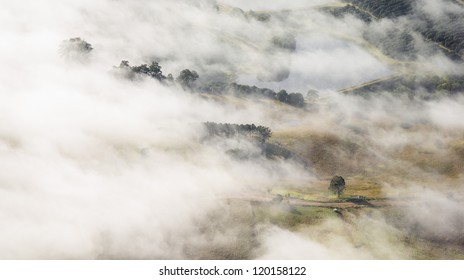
point(285, 42)
point(189, 80)
point(447, 30)
point(153, 70)
point(337, 185)
point(76, 49)
point(257, 133)
point(218, 134)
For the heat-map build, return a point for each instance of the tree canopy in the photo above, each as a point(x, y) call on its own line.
point(186, 78)
point(136, 72)
point(337, 185)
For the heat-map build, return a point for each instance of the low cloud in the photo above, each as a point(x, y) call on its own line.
point(94, 166)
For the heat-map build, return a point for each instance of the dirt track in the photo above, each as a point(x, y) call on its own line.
point(259, 198)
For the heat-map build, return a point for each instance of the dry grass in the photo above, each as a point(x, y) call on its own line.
point(294, 218)
point(328, 154)
point(368, 164)
point(318, 191)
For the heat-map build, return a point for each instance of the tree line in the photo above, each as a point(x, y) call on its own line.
point(188, 80)
point(79, 49)
point(259, 133)
point(292, 99)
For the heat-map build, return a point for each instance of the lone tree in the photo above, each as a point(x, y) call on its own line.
point(75, 49)
point(337, 185)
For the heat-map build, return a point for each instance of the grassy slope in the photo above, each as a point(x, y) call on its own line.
point(318, 149)
point(329, 155)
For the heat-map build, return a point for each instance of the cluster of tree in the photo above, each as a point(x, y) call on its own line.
point(259, 134)
point(340, 12)
point(135, 72)
point(79, 49)
point(75, 49)
point(186, 78)
point(293, 99)
point(245, 90)
point(251, 131)
point(385, 8)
